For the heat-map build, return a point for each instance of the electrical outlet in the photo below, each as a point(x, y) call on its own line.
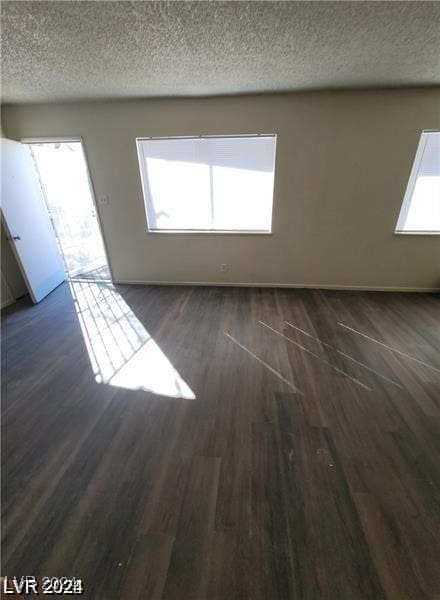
point(223, 267)
point(103, 199)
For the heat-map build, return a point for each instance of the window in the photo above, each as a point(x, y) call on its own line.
point(420, 212)
point(214, 184)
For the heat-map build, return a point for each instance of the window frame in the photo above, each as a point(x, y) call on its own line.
point(409, 191)
point(146, 190)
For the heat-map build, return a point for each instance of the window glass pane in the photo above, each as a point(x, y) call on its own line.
point(242, 173)
point(177, 184)
point(421, 207)
point(424, 210)
point(210, 183)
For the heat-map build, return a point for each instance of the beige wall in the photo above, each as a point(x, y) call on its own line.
point(343, 161)
point(6, 296)
point(14, 285)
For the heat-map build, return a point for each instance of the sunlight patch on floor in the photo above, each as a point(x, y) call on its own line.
point(121, 350)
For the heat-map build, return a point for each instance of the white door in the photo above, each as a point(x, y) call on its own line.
point(27, 222)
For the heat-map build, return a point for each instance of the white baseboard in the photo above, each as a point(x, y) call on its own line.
point(313, 286)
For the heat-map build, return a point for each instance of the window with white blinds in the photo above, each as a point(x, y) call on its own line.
point(214, 184)
point(420, 212)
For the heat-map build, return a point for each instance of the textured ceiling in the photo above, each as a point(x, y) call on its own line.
point(54, 51)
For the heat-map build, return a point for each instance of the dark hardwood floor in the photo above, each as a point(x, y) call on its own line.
point(291, 457)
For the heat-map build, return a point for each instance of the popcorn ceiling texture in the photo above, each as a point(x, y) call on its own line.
point(55, 51)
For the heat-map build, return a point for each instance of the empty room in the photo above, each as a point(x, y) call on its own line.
point(220, 300)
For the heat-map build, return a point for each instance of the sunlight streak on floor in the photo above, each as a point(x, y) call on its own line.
point(121, 350)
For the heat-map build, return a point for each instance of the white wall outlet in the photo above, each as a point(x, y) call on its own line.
point(103, 199)
point(223, 267)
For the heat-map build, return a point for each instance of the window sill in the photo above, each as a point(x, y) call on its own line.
point(417, 233)
point(206, 232)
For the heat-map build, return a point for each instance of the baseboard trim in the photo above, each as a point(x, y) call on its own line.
point(359, 288)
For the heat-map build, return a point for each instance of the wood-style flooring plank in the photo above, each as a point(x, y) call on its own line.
point(246, 490)
point(188, 569)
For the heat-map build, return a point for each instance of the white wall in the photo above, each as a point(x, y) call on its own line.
point(343, 161)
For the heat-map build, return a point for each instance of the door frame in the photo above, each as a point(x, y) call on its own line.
point(66, 139)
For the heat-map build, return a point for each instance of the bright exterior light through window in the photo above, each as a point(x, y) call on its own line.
point(420, 212)
point(208, 183)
